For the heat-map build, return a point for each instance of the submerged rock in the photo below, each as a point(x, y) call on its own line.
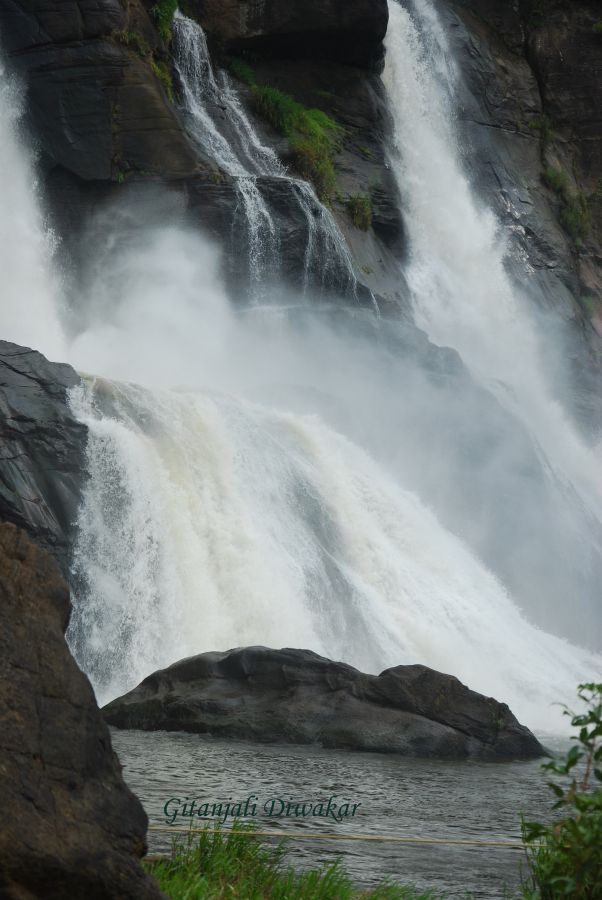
point(71, 827)
point(42, 461)
point(296, 696)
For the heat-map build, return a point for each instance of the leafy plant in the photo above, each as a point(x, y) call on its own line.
point(313, 135)
point(567, 859)
point(164, 75)
point(543, 124)
point(163, 12)
point(234, 863)
point(242, 70)
point(133, 40)
point(575, 212)
point(359, 207)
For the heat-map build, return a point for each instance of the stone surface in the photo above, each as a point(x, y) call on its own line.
point(348, 30)
point(296, 696)
point(41, 449)
point(70, 828)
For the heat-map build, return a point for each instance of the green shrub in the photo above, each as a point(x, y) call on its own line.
point(557, 180)
point(163, 12)
point(242, 70)
point(313, 135)
point(133, 40)
point(567, 859)
point(164, 75)
point(359, 207)
point(233, 863)
point(543, 124)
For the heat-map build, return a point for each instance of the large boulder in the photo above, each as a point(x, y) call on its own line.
point(296, 696)
point(71, 827)
point(43, 446)
point(347, 30)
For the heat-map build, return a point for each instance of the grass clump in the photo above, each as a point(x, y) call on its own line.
point(312, 135)
point(233, 863)
point(575, 213)
point(543, 124)
point(359, 208)
point(164, 75)
point(133, 40)
point(567, 859)
point(163, 12)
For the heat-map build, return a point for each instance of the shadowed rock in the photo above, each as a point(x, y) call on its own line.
point(71, 828)
point(42, 458)
point(296, 696)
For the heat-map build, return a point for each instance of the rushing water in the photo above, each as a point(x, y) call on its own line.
point(459, 274)
point(399, 797)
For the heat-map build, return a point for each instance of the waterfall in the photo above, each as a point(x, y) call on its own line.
point(211, 522)
point(26, 243)
point(250, 505)
point(212, 105)
point(463, 295)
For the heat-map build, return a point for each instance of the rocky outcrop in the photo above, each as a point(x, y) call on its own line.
point(351, 32)
point(42, 449)
point(296, 696)
point(530, 104)
point(71, 828)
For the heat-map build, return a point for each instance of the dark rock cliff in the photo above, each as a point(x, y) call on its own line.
point(71, 828)
point(296, 696)
point(531, 120)
point(42, 449)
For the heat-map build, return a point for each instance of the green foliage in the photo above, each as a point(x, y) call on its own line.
point(219, 864)
point(133, 40)
point(359, 207)
point(543, 124)
point(313, 135)
point(557, 180)
point(575, 213)
point(163, 12)
point(597, 28)
point(162, 72)
point(567, 859)
point(242, 70)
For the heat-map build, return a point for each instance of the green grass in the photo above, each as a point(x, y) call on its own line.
point(164, 75)
point(543, 124)
point(312, 134)
point(359, 208)
point(217, 864)
point(575, 213)
point(163, 12)
point(133, 40)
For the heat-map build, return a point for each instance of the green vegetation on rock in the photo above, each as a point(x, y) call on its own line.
point(575, 213)
point(313, 136)
point(164, 75)
point(133, 40)
point(566, 861)
point(359, 207)
point(233, 863)
point(543, 124)
point(163, 12)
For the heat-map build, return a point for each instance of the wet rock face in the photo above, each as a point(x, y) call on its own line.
point(296, 696)
point(348, 30)
point(95, 104)
point(42, 459)
point(71, 828)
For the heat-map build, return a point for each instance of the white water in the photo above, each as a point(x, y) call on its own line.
point(29, 291)
point(462, 294)
point(210, 520)
point(327, 261)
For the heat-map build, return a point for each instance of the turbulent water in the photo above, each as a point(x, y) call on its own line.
point(268, 499)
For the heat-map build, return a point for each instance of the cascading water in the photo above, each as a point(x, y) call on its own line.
point(241, 153)
point(210, 520)
point(462, 293)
